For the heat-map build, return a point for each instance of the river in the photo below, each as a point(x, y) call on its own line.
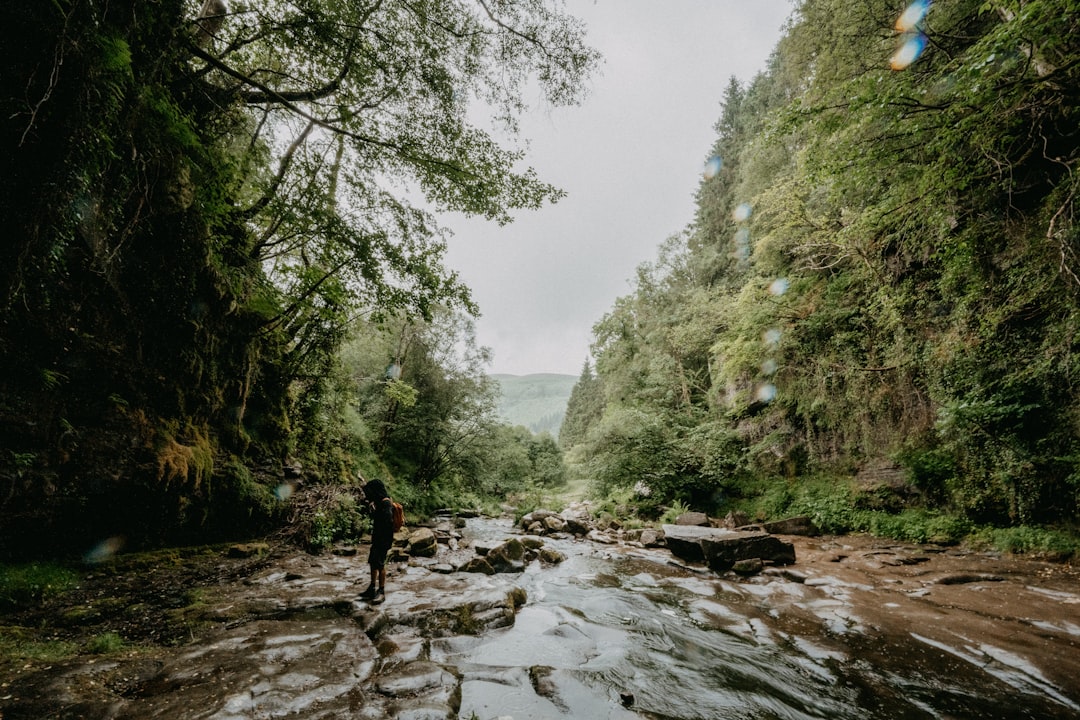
point(856, 628)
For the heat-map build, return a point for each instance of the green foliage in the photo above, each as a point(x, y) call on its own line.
point(1049, 543)
point(672, 513)
point(340, 518)
point(884, 268)
point(105, 644)
point(25, 586)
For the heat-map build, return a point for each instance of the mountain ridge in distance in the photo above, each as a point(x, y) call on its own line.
point(536, 401)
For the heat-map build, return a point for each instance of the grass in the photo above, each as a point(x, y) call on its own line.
point(19, 646)
point(25, 586)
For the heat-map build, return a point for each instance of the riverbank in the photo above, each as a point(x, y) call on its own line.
point(857, 627)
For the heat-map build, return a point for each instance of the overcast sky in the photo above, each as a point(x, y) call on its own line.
point(630, 159)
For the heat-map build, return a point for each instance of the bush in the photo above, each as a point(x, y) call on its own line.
point(1058, 545)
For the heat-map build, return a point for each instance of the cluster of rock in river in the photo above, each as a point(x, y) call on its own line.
point(731, 544)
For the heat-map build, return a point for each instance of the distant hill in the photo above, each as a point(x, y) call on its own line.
point(536, 401)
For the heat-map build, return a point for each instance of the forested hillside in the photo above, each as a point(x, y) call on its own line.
point(875, 307)
point(203, 202)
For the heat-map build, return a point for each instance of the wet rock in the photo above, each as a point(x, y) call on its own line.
point(554, 523)
point(536, 516)
point(551, 556)
point(721, 549)
point(507, 557)
point(721, 553)
point(422, 543)
point(532, 542)
point(544, 685)
point(536, 528)
point(576, 524)
point(413, 679)
point(693, 519)
point(684, 541)
point(750, 566)
point(651, 538)
point(598, 536)
point(800, 525)
point(478, 565)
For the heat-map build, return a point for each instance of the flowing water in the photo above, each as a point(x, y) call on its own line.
point(617, 634)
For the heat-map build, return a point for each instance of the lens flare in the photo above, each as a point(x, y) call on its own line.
point(104, 550)
point(909, 52)
point(742, 212)
point(778, 286)
point(768, 367)
point(712, 167)
point(283, 491)
point(765, 393)
point(912, 16)
point(771, 337)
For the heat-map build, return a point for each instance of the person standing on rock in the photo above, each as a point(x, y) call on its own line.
point(382, 537)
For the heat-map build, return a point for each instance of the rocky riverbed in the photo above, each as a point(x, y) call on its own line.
point(605, 627)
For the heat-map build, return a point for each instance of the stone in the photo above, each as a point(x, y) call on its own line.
point(413, 678)
point(799, 525)
point(478, 565)
point(721, 553)
point(735, 519)
point(423, 543)
point(554, 523)
point(535, 516)
point(551, 556)
point(651, 538)
point(536, 528)
point(532, 542)
point(507, 557)
point(693, 518)
point(577, 526)
point(750, 566)
point(720, 549)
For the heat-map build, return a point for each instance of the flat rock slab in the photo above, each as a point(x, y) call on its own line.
point(721, 549)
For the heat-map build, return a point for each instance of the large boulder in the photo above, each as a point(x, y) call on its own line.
point(684, 541)
point(721, 549)
point(722, 552)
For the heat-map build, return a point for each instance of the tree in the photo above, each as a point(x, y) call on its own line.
point(583, 409)
point(199, 207)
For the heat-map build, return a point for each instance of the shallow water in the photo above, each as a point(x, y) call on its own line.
point(608, 623)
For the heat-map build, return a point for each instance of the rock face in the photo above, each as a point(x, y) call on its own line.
point(721, 549)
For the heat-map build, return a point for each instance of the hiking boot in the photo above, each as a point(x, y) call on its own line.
point(378, 597)
point(368, 593)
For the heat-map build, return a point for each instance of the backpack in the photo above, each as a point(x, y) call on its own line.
point(397, 514)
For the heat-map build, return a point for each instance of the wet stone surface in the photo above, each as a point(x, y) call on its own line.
point(856, 628)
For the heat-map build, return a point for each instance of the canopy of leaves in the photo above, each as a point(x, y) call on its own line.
point(200, 197)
